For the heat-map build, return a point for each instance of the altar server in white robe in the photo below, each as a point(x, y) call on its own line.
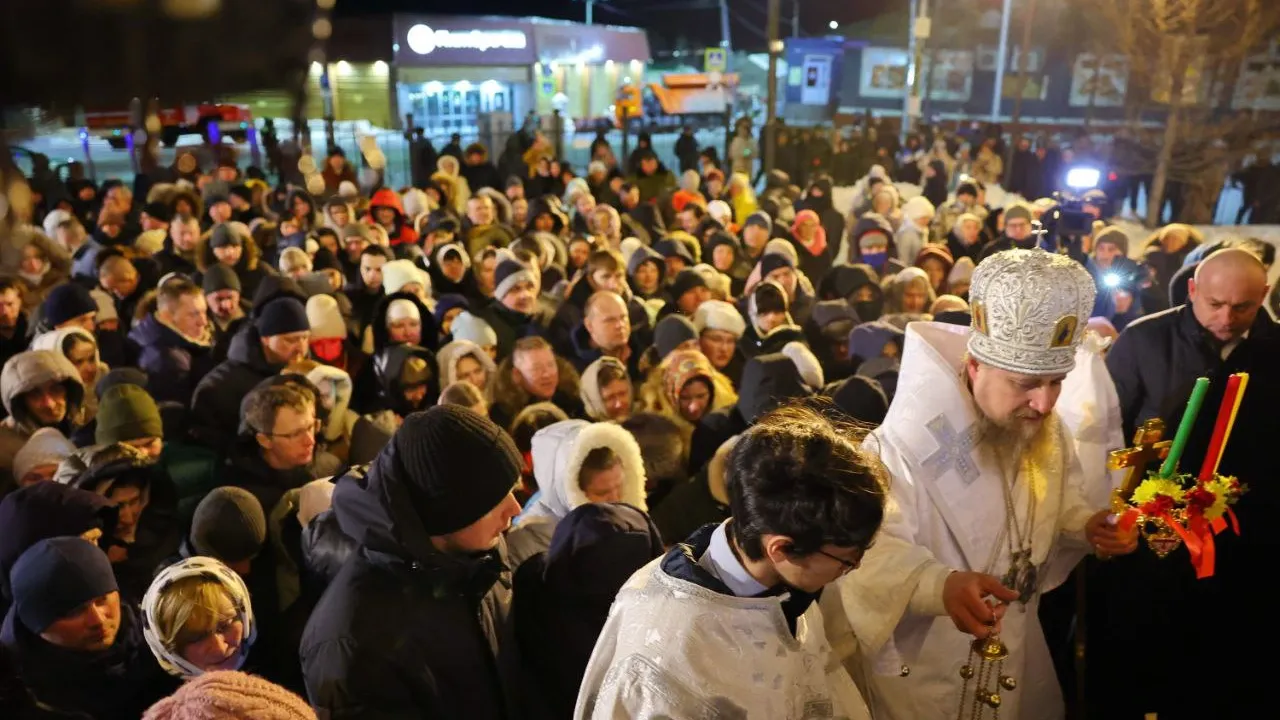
point(988, 504)
point(726, 625)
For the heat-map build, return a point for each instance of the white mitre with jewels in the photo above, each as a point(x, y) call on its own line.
point(1030, 309)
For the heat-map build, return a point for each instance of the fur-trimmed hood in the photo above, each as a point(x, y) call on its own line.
point(249, 259)
point(450, 354)
point(558, 453)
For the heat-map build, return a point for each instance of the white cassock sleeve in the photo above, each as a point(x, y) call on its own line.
point(897, 575)
point(1076, 509)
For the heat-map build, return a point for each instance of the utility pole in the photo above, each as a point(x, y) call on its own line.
point(771, 111)
point(795, 18)
point(916, 34)
point(726, 41)
point(1001, 53)
point(1024, 59)
point(590, 8)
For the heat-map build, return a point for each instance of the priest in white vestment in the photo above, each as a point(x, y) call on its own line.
point(726, 625)
point(988, 506)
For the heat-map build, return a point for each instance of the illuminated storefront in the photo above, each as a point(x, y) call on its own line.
point(453, 74)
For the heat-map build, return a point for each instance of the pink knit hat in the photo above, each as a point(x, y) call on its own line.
point(230, 695)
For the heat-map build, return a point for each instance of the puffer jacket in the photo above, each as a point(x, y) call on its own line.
point(562, 598)
point(215, 404)
point(174, 363)
point(25, 372)
point(405, 630)
point(558, 453)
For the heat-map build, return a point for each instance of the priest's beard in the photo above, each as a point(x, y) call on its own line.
point(1011, 439)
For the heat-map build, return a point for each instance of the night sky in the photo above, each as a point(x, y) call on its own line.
point(665, 19)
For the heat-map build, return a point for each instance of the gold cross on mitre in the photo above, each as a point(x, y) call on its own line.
point(1148, 447)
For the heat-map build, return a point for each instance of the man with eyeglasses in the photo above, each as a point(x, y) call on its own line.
point(727, 623)
point(277, 442)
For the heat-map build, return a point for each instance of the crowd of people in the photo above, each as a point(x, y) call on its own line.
point(516, 443)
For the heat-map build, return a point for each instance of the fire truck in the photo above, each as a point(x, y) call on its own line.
point(232, 121)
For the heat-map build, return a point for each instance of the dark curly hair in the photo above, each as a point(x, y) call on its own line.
point(802, 475)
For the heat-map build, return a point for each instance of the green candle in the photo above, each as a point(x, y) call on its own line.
point(1184, 428)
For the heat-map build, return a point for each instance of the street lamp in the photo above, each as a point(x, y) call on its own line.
point(833, 24)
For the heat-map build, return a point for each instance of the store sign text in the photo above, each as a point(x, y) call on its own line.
point(422, 39)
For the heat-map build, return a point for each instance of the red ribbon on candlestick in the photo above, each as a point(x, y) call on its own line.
point(1220, 429)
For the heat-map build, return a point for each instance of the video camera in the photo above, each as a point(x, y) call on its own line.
point(1062, 227)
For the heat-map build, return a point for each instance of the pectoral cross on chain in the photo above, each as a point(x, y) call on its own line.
point(1148, 447)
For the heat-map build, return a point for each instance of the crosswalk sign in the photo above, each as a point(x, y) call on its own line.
point(715, 60)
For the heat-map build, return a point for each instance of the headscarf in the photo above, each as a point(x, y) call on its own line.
point(166, 653)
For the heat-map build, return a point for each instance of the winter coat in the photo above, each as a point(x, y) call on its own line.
point(768, 381)
point(215, 405)
point(174, 364)
point(558, 453)
point(246, 469)
point(703, 499)
point(24, 373)
point(250, 268)
point(510, 325)
point(562, 597)
point(405, 630)
point(118, 683)
point(507, 398)
point(42, 511)
point(157, 535)
point(401, 232)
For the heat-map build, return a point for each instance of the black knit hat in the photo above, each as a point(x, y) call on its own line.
point(282, 316)
point(220, 277)
point(229, 525)
point(223, 235)
point(774, 261)
point(458, 465)
point(158, 211)
point(686, 280)
point(56, 576)
point(66, 302)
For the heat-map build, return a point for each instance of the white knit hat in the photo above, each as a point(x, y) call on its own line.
point(469, 327)
point(806, 363)
point(325, 318)
point(398, 273)
point(719, 315)
point(401, 309)
point(917, 207)
point(47, 446)
point(106, 305)
point(721, 211)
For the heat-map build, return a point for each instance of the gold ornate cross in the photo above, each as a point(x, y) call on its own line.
point(1148, 447)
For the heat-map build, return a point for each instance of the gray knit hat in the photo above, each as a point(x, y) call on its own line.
point(229, 525)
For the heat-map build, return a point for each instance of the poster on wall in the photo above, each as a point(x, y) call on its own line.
point(952, 77)
point(884, 72)
point(815, 88)
point(1100, 82)
point(1195, 86)
point(1259, 85)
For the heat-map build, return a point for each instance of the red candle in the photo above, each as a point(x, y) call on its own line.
point(1220, 429)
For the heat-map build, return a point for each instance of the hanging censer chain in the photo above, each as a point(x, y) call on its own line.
point(990, 654)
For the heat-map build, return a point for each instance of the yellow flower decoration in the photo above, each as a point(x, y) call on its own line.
point(1153, 487)
point(1223, 495)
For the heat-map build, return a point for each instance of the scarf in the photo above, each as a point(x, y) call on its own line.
point(818, 244)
